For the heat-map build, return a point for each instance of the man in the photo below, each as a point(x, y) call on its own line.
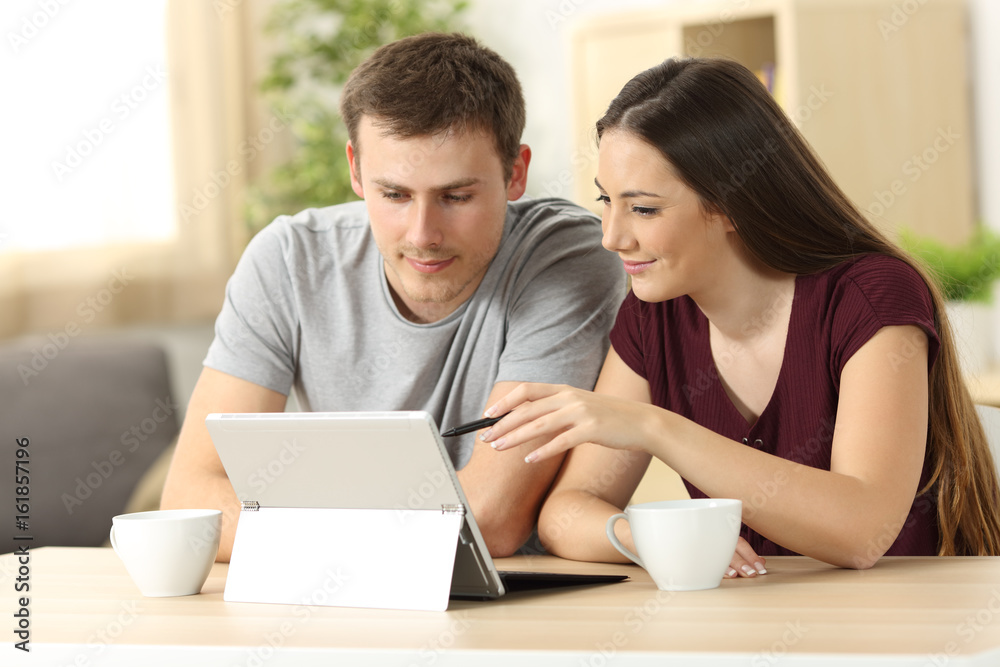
point(434, 293)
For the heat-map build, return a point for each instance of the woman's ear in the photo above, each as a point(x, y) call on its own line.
point(714, 214)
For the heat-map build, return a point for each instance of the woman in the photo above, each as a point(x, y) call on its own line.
point(775, 348)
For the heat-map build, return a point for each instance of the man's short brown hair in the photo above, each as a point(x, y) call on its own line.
point(434, 83)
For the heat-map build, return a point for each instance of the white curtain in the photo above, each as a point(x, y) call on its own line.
point(222, 136)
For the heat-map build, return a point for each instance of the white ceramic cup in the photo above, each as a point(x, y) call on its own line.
point(167, 552)
point(685, 545)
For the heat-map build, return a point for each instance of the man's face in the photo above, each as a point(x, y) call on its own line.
point(437, 206)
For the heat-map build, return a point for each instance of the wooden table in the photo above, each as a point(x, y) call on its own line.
point(925, 612)
point(985, 387)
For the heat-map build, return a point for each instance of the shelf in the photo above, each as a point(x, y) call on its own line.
point(885, 108)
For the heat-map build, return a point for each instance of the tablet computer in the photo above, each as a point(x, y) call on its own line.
point(378, 472)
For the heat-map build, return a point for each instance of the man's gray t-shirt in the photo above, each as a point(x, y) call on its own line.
point(309, 306)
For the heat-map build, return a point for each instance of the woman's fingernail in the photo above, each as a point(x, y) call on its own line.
point(749, 571)
point(498, 444)
point(731, 573)
point(530, 458)
point(486, 435)
point(489, 413)
point(760, 568)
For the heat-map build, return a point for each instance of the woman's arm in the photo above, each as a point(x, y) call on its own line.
point(847, 516)
point(595, 482)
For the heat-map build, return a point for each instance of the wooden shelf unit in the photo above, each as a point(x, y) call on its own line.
point(881, 94)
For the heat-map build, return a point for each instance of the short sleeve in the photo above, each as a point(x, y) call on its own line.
point(563, 305)
point(626, 336)
point(877, 292)
point(255, 332)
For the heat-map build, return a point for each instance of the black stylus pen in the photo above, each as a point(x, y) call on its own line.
point(472, 426)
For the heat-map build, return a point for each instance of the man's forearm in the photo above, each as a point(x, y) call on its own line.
point(197, 478)
point(206, 492)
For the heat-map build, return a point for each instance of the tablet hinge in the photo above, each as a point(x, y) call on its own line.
point(453, 509)
point(249, 506)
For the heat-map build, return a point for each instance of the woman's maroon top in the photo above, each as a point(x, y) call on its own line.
point(833, 314)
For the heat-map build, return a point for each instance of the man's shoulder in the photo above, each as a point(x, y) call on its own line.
point(349, 216)
point(552, 210)
point(315, 229)
point(552, 223)
point(562, 240)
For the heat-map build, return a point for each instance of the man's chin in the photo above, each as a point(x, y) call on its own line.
point(433, 290)
point(429, 297)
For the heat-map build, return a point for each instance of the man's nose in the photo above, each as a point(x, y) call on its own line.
point(424, 229)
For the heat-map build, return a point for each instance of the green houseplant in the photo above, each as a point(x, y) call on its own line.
point(965, 273)
point(320, 43)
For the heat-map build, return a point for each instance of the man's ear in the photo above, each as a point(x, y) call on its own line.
point(519, 174)
point(355, 165)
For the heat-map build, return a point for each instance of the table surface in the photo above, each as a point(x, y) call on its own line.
point(85, 610)
point(985, 387)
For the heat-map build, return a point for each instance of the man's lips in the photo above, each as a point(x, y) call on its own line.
point(429, 265)
point(632, 268)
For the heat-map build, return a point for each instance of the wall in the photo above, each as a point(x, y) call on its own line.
point(539, 48)
point(985, 49)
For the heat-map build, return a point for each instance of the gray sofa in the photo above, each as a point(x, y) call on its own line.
point(96, 413)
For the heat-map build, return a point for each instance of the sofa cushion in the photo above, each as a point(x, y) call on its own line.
point(96, 413)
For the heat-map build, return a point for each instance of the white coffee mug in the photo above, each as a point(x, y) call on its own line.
point(685, 545)
point(167, 552)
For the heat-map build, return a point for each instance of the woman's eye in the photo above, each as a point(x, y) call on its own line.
point(644, 210)
point(604, 198)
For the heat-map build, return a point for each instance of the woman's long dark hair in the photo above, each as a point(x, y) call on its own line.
point(730, 142)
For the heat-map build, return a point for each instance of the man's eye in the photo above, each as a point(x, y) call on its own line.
point(392, 195)
point(604, 198)
point(458, 198)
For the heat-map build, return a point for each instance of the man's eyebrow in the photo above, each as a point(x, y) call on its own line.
point(389, 185)
point(631, 193)
point(461, 183)
point(454, 185)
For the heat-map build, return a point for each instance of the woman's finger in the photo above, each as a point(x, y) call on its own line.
point(532, 418)
point(556, 446)
point(735, 569)
point(523, 393)
point(745, 561)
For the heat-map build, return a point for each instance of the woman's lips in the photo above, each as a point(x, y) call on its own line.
point(632, 268)
point(430, 266)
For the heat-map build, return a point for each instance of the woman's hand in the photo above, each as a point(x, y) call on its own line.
point(745, 563)
point(570, 417)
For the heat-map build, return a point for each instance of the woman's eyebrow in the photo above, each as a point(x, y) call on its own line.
point(630, 193)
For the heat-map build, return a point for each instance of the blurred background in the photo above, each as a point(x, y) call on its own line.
point(146, 142)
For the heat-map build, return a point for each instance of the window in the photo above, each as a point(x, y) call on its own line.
point(85, 125)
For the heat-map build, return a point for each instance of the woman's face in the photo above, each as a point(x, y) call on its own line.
point(656, 223)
